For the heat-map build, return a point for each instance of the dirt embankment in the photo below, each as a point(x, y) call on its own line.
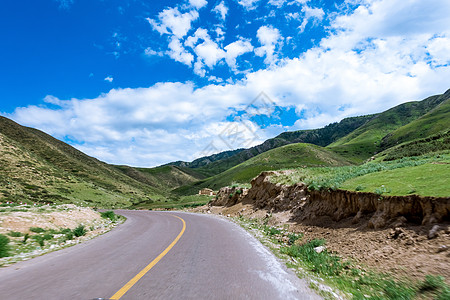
point(408, 236)
point(307, 206)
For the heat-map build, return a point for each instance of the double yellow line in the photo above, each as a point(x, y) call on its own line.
point(144, 271)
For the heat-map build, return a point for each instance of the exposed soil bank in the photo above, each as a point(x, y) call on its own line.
point(307, 206)
point(389, 234)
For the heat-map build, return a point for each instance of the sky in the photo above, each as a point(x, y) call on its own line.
point(144, 83)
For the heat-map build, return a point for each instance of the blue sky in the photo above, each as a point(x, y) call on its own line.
point(148, 82)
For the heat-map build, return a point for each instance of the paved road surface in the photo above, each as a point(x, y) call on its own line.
point(213, 259)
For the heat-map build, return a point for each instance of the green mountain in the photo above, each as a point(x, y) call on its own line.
point(35, 167)
point(284, 157)
point(435, 121)
point(218, 163)
point(394, 125)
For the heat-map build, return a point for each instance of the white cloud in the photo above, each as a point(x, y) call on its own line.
point(315, 14)
point(358, 69)
point(151, 52)
point(172, 21)
point(235, 50)
point(221, 10)
point(209, 52)
point(198, 3)
point(179, 53)
point(248, 4)
point(109, 78)
point(269, 39)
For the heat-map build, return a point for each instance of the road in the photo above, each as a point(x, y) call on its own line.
point(197, 257)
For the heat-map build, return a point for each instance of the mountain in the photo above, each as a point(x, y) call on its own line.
point(284, 157)
point(374, 136)
point(218, 163)
point(435, 121)
point(35, 167)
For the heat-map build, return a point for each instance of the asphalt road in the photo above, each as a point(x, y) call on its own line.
point(212, 259)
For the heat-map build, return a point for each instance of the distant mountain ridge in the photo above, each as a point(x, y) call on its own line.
point(356, 138)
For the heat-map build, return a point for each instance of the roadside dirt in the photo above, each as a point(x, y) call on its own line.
point(402, 249)
point(64, 216)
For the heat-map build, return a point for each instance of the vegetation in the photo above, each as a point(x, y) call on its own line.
point(177, 202)
point(367, 140)
point(288, 156)
point(79, 231)
point(421, 174)
point(109, 215)
point(345, 276)
point(4, 245)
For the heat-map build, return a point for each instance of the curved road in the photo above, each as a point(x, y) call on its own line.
point(211, 259)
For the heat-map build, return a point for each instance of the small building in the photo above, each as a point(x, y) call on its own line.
point(207, 192)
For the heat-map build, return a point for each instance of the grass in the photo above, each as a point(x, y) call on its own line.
point(109, 215)
point(176, 203)
point(425, 180)
point(79, 231)
point(288, 156)
point(339, 274)
point(4, 245)
point(405, 175)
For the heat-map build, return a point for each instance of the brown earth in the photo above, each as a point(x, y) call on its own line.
point(404, 236)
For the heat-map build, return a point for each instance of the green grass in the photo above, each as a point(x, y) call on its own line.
point(177, 203)
point(406, 176)
point(425, 180)
point(289, 156)
point(353, 280)
point(385, 131)
point(4, 246)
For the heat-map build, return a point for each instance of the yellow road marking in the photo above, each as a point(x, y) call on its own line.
point(136, 278)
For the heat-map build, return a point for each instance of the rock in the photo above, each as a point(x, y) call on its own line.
point(442, 248)
point(447, 230)
point(396, 233)
point(320, 249)
point(409, 242)
point(434, 232)
point(401, 221)
point(228, 215)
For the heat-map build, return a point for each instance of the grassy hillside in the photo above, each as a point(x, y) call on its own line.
point(289, 156)
point(321, 137)
point(435, 121)
point(425, 175)
point(164, 178)
point(35, 167)
point(366, 141)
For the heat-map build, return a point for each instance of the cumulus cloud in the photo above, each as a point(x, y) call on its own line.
point(198, 3)
point(235, 50)
point(358, 69)
point(172, 21)
point(109, 79)
point(269, 39)
point(314, 14)
point(249, 4)
point(221, 10)
point(179, 53)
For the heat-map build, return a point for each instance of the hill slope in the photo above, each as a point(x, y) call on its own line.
point(367, 139)
point(288, 156)
point(36, 167)
point(218, 163)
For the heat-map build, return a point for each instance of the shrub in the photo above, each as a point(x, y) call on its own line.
point(37, 229)
point(4, 245)
point(431, 283)
point(15, 234)
point(40, 240)
point(322, 263)
point(79, 231)
point(69, 235)
point(109, 215)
